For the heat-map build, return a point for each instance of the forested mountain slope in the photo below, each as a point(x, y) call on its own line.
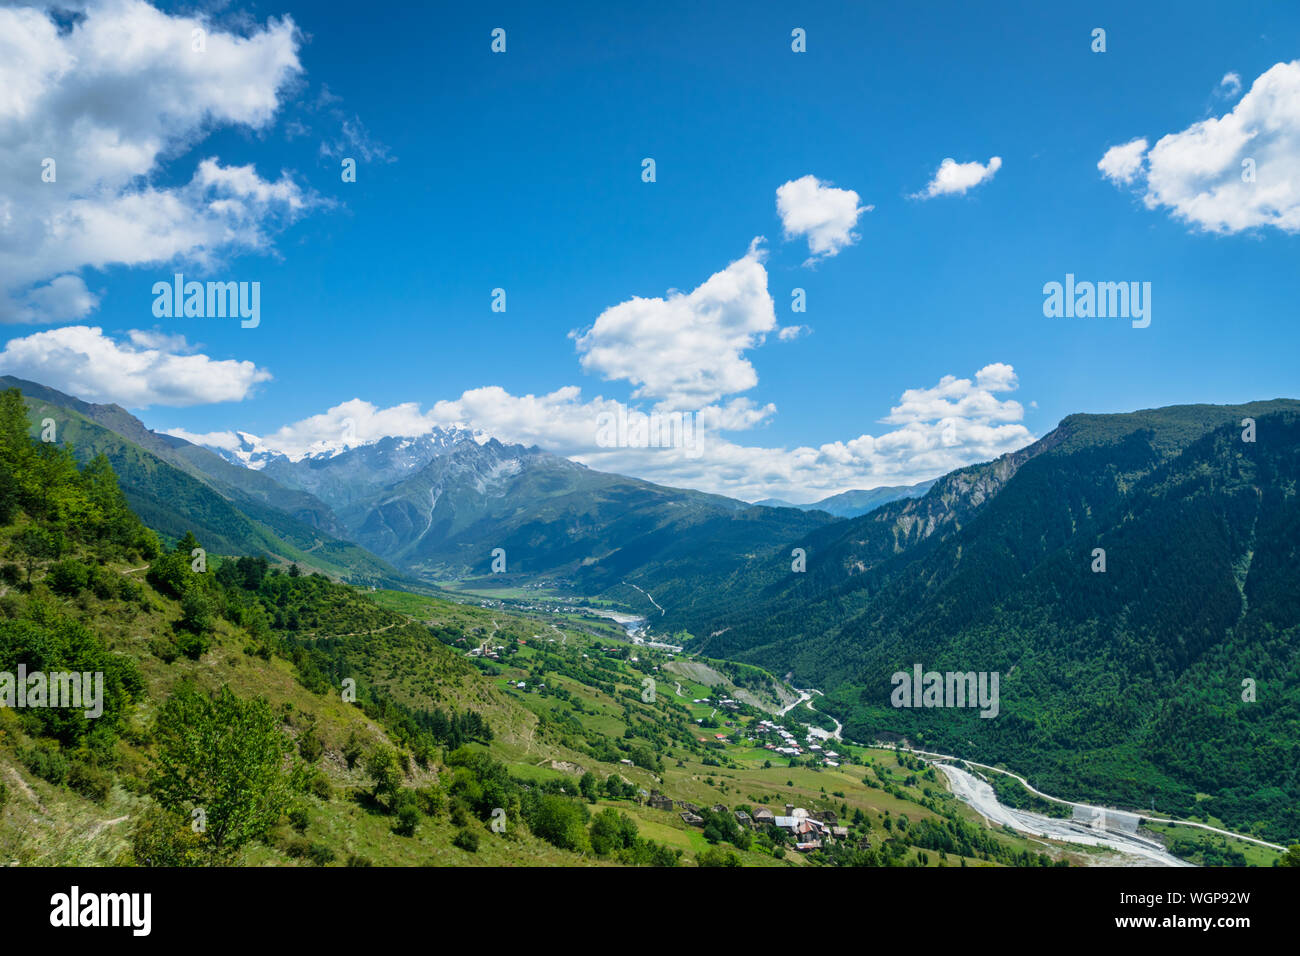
point(233, 510)
point(1125, 684)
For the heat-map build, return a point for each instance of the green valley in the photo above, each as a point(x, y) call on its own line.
point(517, 725)
point(256, 714)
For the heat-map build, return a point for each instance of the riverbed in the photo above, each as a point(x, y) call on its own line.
point(976, 793)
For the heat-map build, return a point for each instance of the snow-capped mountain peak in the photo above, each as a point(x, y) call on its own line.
point(256, 452)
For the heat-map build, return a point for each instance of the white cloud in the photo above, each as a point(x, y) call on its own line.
point(361, 421)
point(1230, 85)
point(960, 399)
point(998, 377)
point(84, 362)
point(65, 297)
point(236, 184)
point(227, 440)
point(109, 101)
point(791, 332)
point(1122, 163)
point(686, 350)
point(155, 338)
point(355, 141)
point(1199, 174)
point(954, 423)
point(825, 215)
point(563, 423)
point(954, 178)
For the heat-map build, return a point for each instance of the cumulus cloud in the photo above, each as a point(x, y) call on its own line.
point(686, 350)
point(63, 297)
point(155, 338)
point(560, 421)
point(825, 215)
point(683, 352)
point(84, 362)
point(1121, 164)
point(351, 423)
point(955, 399)
point(90, 112)
point(1234, 172)
point(229, 441)
point(932, 430)
point(954, 178)
point(1230, 85)
point(791, 332)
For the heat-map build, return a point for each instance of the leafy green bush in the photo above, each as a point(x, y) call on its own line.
point(408, 813)
point(89, 781)
point(228, 756)
point(128, 590)
point(46, 760)
point(612, 831)
point(192, 645)
point(353, 750)
point(716, 856)
point(460, 815)
point(310, 745)
point(161, 838)
point(197, 615)
point(383, 767)
point(105, 584)
point(431, 800)
point(67, 577)
point(47, 640)
point(408, 818)
point(320, 854)
point(318, 785)
point(467, 840)
point(558, 820)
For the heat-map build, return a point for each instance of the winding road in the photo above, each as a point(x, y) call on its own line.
point(803, 695)
point(807, 695)
point(652, 600)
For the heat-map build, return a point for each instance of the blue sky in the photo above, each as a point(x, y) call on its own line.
point(523, 171)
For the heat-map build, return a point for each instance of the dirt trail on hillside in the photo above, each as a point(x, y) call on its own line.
point(378, 630)
point(95, 830)
point(30, 794)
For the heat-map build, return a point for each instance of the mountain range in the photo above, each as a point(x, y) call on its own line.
point(432, 508)
point(851, 504)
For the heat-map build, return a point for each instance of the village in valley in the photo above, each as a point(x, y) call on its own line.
point(716, 758)
point(806, 832)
